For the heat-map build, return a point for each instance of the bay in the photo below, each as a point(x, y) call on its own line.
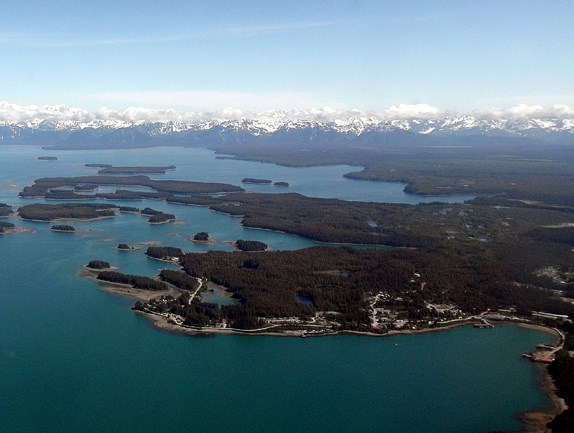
point(75, 359)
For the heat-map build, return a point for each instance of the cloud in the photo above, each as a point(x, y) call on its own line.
point(420, 111)
point(13, 113)
point(530, 111)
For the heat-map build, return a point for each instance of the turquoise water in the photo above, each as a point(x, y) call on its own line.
point(203, 165)
point(76, 359)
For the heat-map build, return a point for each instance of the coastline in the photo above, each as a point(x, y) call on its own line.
point(533, 420)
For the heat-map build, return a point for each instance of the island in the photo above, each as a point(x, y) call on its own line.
point(157, 217)
point(5, 210)
point(81, 211)
point(98, 264)
point(135, 170)
point(201, 237)
point(47, 158)
point(6, 227)
point(283, 184)
point(163, 188)
point(63, 228)
point(243, 245)
point(256, 181)
point(125, 247)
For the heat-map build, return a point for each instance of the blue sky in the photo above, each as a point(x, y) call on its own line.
point(258, 55)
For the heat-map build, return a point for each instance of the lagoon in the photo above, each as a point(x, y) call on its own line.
point(76, 359)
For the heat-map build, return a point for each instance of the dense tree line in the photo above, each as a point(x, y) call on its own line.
point(129, 209)
point(136, 281)
point(338, 279)
point(179, 279)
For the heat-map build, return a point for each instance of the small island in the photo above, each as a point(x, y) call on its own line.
point(5, 210)
point(98, 264)
point(256, 181)
point(283, 184)
point(126, 247)
point(243, 245)
point(63, 228)
point(170, 254)
point(135, 170)
point(6, 227)
point(201, 238)
point(97, 165)
point(157, 217)
point(47, 158)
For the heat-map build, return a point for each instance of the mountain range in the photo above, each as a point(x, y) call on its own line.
point(68, 129)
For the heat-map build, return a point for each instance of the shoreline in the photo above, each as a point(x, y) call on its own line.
point(532, 419)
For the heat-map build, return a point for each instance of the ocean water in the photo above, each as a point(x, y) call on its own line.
point(76, 359)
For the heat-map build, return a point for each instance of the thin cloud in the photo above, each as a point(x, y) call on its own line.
point(32, 40)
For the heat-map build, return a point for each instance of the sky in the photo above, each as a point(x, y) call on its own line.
point(255, 55)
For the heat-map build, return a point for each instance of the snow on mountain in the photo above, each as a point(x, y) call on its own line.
point(350, 123)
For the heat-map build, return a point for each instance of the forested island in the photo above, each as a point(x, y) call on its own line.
point(51, 212)
point(157, 217)
point(246, 245)
point(5, 210)
point(109, 169)
point(63, 228)
point(45, 187)
point(201, 237)
point(256, 181)
point(6, 227)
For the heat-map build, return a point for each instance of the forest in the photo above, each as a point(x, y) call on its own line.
point(338, 282)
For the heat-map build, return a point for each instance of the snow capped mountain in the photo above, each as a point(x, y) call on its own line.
point(30, 123)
